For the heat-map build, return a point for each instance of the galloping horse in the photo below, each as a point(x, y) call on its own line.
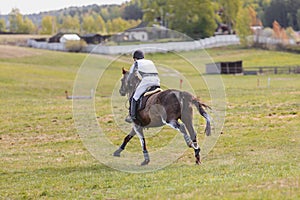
point(164, 108)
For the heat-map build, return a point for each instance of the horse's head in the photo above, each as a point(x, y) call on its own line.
point(124, 84)
point(128, 86)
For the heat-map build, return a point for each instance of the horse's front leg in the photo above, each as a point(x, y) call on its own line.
point(125, 141)
point(139, 131)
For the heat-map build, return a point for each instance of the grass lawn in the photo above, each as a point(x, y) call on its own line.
point(43, 157)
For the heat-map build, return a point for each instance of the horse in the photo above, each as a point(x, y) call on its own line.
point(164, 108)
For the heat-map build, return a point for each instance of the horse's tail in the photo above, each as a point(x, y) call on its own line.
point(188, 98)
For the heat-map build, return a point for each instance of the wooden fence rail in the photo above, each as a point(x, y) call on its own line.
point(272, 70)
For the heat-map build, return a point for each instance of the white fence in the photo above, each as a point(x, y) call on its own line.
point(46, 45)
point(271, 41)
point(216, 41)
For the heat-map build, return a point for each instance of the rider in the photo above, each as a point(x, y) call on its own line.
point(145, 69)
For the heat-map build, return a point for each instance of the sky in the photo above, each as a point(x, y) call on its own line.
point(36, 6)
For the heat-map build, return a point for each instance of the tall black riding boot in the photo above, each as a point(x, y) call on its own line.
point(128, 118)
point(133, 109)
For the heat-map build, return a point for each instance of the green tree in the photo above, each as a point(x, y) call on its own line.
point(195, 18)
point(118, 25)
point(230, 11)
point(132, 10)
point(110, 12)
point(276, 12)
point(158, 11)
point(48, 25)
point(14, 20)
point(298, 17)
point(71, 24)
point(18, 25)
point(88, 24)
point(109, 27)
point(243, 24)
point(284, 12)
point(2, 25)
point(292, 7)
point(100, 24)
point(27, 26)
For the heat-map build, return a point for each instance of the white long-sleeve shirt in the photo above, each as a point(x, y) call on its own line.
point(143, 66)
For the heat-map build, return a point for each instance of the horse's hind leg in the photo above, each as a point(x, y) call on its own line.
point(187, 119)
point(125, 141)
point(181, 128)
point(139, 131)
point(191, 140)
point(191, 130)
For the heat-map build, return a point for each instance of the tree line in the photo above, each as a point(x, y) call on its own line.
point(106, 19)
point(200, 18)
point(196, 18)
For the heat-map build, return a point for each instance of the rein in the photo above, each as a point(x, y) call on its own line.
point(129, 93)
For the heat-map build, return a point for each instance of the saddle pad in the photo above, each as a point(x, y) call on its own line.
point(153, 92)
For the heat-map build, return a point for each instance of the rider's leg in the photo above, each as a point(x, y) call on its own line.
point(128, 118)
point(133, 108)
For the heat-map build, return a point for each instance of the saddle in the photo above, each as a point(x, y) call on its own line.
point(145, 96)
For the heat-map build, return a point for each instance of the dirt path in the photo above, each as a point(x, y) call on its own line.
point(7, 51)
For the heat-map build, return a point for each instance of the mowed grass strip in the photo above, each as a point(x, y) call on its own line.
point(42, 157)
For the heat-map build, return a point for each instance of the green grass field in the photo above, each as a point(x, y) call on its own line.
point(43, 157)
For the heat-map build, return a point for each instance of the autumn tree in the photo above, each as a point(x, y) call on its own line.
point(195, 18)
point(255, 21)
point(48, 25)
point(100, 24)
point(2, 25)
point(18, 25)
point(279, 32)
point(88, 24)
point(284, 12)
point(27, 26)
point(291, 33)
point(71, 24)
point(276, 30)
point(258, 5)
point(15, 18)
point(158, 11)
point(94, 23)
point(187, 18)
point(109, 27)
point(243, 23)
point(230, 11)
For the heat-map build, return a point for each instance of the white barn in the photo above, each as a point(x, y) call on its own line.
point(68, 37)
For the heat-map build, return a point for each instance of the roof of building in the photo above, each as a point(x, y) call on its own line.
point(67, 37)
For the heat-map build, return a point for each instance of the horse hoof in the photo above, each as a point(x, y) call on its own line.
point(145, 162)
point(117, 153)
point(198, 162)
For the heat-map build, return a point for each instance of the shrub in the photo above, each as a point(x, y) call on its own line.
point(75, 45)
